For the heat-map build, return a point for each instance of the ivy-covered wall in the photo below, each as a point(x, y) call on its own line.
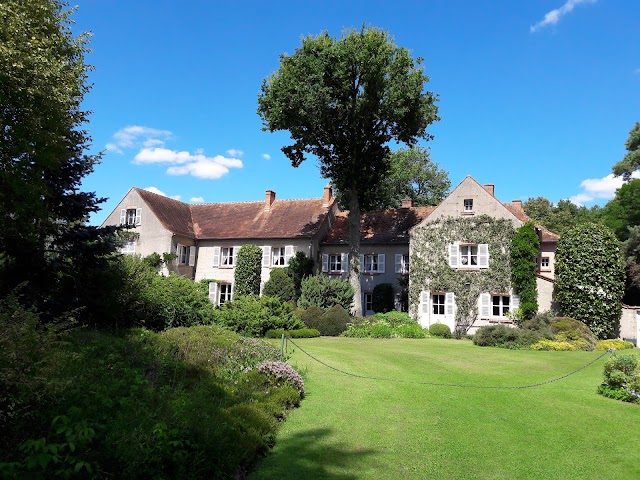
point(430, 268)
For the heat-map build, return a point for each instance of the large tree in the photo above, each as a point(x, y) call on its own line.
point(343, 100)
point(631, 161)
point(43, 143)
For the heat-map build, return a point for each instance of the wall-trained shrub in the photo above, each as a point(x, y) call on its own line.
point(324, 292)
point(280, 285)
point(248, 270)
point(524, 251)
point(382, 298)
point(440, 330)
point(253, 316)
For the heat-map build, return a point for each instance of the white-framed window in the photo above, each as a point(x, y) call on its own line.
point(131, 216)
point(225, 293)
point(402, 263)
point(228, 256)
point(277, 256)
point(335, 263)
point(468, 204)
point(500, 305)
point(280, 256)
point(496, 305)
point(467, 256)
point(368, 302)
point(544, 263)
point(128, 248)
point(438, 303)
point(372, 263)
point(183, 254)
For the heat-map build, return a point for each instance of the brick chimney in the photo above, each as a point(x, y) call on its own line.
point(270, 198)
point(490, 188)
point(517, 204)
point(407, 202)
point(328, 193)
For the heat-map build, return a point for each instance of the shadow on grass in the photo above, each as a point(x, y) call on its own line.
point(309, 455)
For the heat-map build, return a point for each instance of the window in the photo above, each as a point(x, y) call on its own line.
point(438, 304)
point(372, 263)
point(468, 255)
point(500, 305)
point(335, 263)
point(225, 290)
point(129, 248)
point(130, 216)
point(368, 302)
point(183, 253)
point(402, 263)
point(544, 263)
point(228, 257)
point(468, 204)
point(277, 257)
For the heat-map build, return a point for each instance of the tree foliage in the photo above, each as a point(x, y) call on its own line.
point(590, 278)
point(524, 251)
point(343, 100)
point(561, 217)
point(280, 285)
point(323, 292)
point(300, 267)
point(248, 270)
point(631, 160)
point(43, 79)
point(382, 298)
point(623, 211)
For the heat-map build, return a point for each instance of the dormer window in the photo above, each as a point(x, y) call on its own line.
point(468, 205)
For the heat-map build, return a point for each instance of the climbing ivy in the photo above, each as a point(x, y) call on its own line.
point(524, 251)
point(430, 268)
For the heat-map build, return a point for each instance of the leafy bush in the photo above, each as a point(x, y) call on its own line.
point(524, 251)
point(253, 316)
point(616, 344)
point(298, 333)
point(310, 316)
point(567, 329)
point(248, 270)
point(589, 279)
point(279, 373)
point(382, 298)
point(621, 378)
point(539, 323)
point(505, 337)
point(323, 292)
point(440, 330)
point(280, 285)
point(334, 321)
point(395, 318)
point(300, 267)
point(556, 345)
point(375, 327)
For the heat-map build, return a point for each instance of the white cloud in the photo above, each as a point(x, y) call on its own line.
point(197, 200)
point(266, 156)
point(135, 136)
point(553, 17)
point(599, 188)
point(206, 168)
point(235, 153)
point(185, 163)
point(160, 192)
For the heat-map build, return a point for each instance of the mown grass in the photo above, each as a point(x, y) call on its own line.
point(353, 428)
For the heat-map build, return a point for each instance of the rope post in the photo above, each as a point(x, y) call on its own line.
point(282, 348)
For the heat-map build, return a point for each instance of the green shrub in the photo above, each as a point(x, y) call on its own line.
point(334, 321)
point(567, 329)
point(300, 267)
point(298, 333)
point(248, 270)
point(395, 318)
point(382, 298)
point(524, 251)
point(280, 285)
point(253, 316)
point(310, 316)
point(375, 327)
point(617, 344)
point(323, 292)
point(621, 378)
point(440, 330)
point(413, 330)
point(556, 345)
point(540, 323)
point(505, 337)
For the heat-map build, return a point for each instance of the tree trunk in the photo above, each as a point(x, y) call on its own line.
point(354, 251)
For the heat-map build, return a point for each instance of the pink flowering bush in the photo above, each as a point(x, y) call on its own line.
point(282, 373)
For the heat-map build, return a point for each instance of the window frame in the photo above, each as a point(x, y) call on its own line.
point(225, 293)
point(367, 301)
point(335, 263)
point(182, 254)
point(376, 259)
point(542, 263)
point(467, 205)
point(469, 256)
point(227, 257)
point(502, 307)
point(129, 248)
point(440, 304)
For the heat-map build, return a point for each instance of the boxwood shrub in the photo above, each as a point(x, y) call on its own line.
point(298, 333)
point(440, 330)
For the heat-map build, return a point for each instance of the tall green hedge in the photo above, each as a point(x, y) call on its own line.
point(590, 278)
point(248, 270)
point(524, 251)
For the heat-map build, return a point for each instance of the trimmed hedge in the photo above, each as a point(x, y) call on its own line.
point(614, 343)
point(440, 330)
point(299, 333)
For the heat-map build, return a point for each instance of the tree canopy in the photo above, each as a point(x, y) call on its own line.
point(343, 100)
point(631, 160)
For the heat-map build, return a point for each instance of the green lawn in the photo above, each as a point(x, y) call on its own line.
point(353, 428)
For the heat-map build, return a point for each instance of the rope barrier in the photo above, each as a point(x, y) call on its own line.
point(437, 384)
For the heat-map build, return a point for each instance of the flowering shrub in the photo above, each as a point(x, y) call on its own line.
point(557, 345)
point(374, 327)
point(621, 378)
point(282, 373)
point(614, 343)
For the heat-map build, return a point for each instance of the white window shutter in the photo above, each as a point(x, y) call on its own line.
point(288, 253)
point(266, 257)
point(483, 255)
point(123, 216)
point(362, 265)
point(325, 262)
point(450, 304)
point(381, 262)
point(235, 255)
point(231, 291)
point(213, 292)
point(261, 288)
point(515, 302)
point(398, 263)
point(484, 305)
point(344, 262)
point(216, 257)
point(178, 253)
point(453, 255)
point(192, 256)
point(424, 303)
point(138, 216)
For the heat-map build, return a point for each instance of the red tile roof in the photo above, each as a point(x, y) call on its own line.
point(379, 227)
point(285, 218)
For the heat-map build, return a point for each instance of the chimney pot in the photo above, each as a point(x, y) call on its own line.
point(328, 193)
point(517, 204)
point(407, 202)
point(270, 198)
point(490, 188)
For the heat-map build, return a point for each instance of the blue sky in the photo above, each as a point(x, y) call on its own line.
point(536, 96)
